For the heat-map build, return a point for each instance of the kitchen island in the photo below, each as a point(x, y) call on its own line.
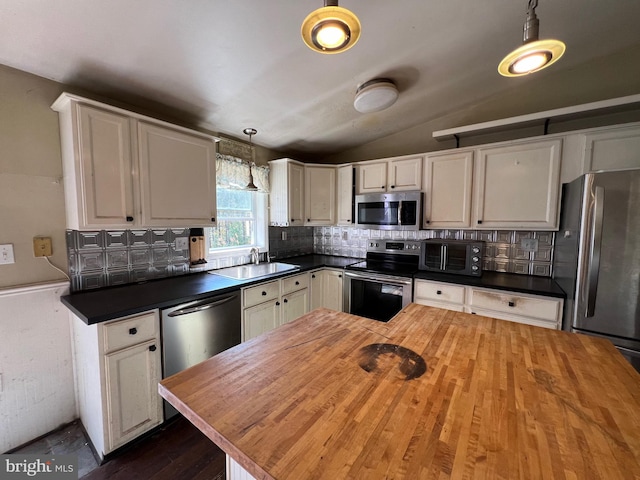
point(431, 394)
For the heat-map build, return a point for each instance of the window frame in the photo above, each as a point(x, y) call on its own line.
point(261, 215)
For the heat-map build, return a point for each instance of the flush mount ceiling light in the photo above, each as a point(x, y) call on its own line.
point(330, 29)
point(534, 54)
point(375, 95)
point(251, 132)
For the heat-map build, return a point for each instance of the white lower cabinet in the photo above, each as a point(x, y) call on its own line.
point(118, 367)
point(271, 304)
point(326, 289)
point(525, 308)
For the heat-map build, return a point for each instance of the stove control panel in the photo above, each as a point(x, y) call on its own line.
point(404, 247)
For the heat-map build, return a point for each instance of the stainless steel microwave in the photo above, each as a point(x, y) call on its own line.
point(462, 257)
point(389, 211)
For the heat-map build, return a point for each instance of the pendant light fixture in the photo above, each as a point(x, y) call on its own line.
point(251, 132)
point(534, 54)
point(330, 29)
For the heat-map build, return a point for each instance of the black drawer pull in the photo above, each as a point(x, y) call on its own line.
point(297, 282)
point(512, 304)
point(277, 304)
point(479, 222)
point(438, 292)
point(133, 331)
point(213, 219)
point(129, 219)
point(285, 300)
point(427, 221)
point(264, 293)
point(339, 276)
point(393, 186)
point(153, 348)
point(313, 276)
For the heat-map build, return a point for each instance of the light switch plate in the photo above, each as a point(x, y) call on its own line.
point(6, 254)
point(529, 244)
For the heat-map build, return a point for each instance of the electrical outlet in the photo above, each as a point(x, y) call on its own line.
point(182, 243)
point(529, 244)
point(42, 246)
point(6, 254)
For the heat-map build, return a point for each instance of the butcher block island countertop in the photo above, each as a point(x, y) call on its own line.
point(336, 396)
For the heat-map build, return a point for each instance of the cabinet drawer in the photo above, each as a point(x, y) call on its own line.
point(536, 322)
point(440, 292)
point(517, 304)
point(447, 306)
point(130, 331)
point(295, 282)
point(260, 293)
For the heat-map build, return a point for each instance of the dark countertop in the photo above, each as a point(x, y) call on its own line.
point(501, 281)
point(95, 306)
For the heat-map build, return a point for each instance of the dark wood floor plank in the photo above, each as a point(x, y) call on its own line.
point(177, 451)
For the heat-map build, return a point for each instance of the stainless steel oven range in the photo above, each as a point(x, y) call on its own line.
point(380, 286)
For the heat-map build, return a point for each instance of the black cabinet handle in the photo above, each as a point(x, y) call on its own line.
point(427, 221)
point(213, 219)
point(133, 331)
point(473, 313)
point(277, 304)
point(438, 292)
point(382, 186)
point(264, 293)
point(393, 186)
point(129, 219)
point(479, 222)
point(512, 304)
point(153, 348)
point(285, 300)
point(348, 221)
point(297, 282)
point(308, 219)
point(292, 220)
point(339, 276)
point(313, 276)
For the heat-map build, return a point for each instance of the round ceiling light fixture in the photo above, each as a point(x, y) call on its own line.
point(534, 54)
point(375, 95)
point(330, 29)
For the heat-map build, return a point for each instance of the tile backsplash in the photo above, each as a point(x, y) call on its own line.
point(108, 258)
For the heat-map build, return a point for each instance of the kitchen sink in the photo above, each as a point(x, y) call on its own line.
point(247, 272)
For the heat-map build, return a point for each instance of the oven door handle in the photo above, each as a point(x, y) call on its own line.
point(380, 278)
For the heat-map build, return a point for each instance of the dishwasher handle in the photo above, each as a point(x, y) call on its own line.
point(200, 308)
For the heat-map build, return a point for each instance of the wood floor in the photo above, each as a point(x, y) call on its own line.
point(176, 452)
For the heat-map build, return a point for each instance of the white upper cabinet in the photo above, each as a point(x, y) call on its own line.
point(286, 198)
point(448, 185)
point(344, 195)
point(124, 170)
point(518, 186)
point(392, 175)
point(177, 177)
point(320, 195)
point(611, 149)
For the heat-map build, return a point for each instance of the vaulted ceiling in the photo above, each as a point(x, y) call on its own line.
point(227, 65)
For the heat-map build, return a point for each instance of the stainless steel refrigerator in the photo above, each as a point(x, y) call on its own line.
point(597, 258)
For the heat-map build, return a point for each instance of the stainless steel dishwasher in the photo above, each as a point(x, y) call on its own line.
point(195, 331)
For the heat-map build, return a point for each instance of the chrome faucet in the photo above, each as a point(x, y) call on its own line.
point(255, 255)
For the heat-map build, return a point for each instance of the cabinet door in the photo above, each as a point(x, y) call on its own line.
point(517, 186)
point(448, 184)
point(260, 319)
point(294, 305)
point(133, 403)
point(320, 195)
point(332, 290)
point(296, 195)
point(177, 178)
point(104, 187)
point(316, 294)
point(405, 174)
point(612, 149)
point(371, 178)
point(345, 195)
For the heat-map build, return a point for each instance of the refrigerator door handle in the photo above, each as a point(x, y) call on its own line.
point(593, 268)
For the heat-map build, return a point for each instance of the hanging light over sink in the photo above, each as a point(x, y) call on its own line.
point(251, 132)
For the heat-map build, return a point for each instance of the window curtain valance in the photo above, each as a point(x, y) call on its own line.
point(233, 173)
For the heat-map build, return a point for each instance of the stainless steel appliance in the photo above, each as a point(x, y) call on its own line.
point(461, 257)
point(380, 286)
point(389, 211)
point(597, 258)
point(195, 331)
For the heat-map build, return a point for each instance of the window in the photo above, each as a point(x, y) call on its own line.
point(241, 221)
